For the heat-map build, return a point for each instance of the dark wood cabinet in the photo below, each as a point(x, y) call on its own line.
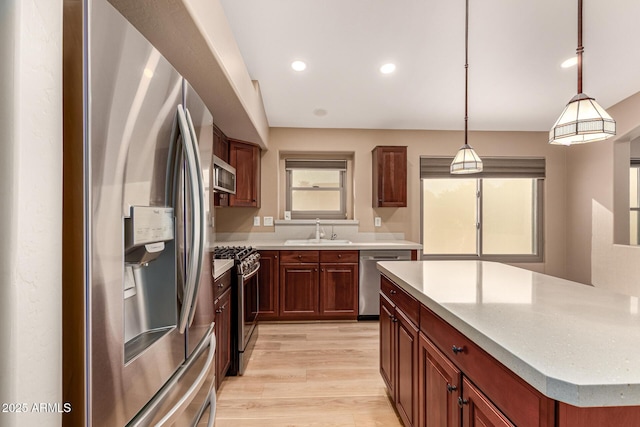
point(439, 386)
point(268, 285)
point(299, 291)
point(399, 351)
point(223, 312)
point(387, 344)
point(339, 284)
point(389, 176)
point(318, 285)
point(220, 144)
point(477, 409)
point(245, 158)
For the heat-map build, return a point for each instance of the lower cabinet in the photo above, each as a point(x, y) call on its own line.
point(268, 285)
point(318, 285)
point(222, 307)
point(399, 358)
point(477, 409)
point(437, 377)
point(439, 384)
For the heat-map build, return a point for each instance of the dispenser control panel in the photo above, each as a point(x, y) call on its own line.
point(149, 224)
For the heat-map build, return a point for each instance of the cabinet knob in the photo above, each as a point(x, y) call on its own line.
point(393, 292)
point(299, 256)
point(457, 350)
point(462, 402)
point(322, 270)
point(219, 310)
point(451, 388)
point(339, 255)
point(276, 256)
point(395, 319)
point(315, 269)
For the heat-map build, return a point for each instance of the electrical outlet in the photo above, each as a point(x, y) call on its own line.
point(268, 221)
point(287, 215)
point(377, 221)
point(256, 221)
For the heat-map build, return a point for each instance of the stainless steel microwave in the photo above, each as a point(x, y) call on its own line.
point(224, 176)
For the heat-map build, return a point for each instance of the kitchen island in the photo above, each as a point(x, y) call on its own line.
point(543, 350)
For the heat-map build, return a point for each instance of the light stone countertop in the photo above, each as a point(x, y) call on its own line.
point(278, 245)
point(220, 266)
point(572, 342)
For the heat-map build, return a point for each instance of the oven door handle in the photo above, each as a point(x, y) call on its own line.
point(250, 275)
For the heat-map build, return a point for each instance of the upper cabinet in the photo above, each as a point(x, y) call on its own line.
point(220, 144)
point(389, 176)
point(245, 158)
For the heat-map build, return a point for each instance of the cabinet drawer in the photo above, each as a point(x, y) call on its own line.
point(221, 284)
point(405, 302)
point(520, 402)
point(299, 256)
point(339, 256)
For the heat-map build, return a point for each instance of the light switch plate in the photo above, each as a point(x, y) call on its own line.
point(287, 214)
point(377, 221)
point(256, 221)
point(268, 221)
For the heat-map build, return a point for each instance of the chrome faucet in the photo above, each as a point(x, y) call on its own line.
point(319, 234)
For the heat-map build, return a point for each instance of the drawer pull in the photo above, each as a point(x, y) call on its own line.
point(393, 292)
point(462, 402)
point(457, 350)
point(451, 388)
point(395, 319)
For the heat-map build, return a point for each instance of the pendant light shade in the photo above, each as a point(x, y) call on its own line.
point(583, 119)
point(466, 161)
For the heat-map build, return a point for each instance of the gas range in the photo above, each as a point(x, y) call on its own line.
point(246, 258)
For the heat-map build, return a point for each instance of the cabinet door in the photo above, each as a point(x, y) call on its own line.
point(220, 144)
point(439, 384)
point(478, 411)
point(246, 159)
point(223, 335)
point(390, 176)
point(406, 368)
point(339, 290)
point(299, 290)
point(268, 284)
point(387, 344)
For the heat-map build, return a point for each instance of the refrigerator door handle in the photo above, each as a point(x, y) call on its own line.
point(200, 217)
point(195, 256)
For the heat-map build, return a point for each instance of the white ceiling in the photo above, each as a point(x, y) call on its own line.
point(515, 51)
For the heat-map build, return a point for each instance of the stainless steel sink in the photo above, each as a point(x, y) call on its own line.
point(311, 242)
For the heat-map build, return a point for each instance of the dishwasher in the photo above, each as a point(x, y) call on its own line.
point(369, 280)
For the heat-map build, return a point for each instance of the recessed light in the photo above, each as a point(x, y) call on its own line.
point(570, 62)
point(298, 65)
point(388, 68)
point(148, 73)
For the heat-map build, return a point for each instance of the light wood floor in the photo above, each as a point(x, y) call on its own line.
point(309, 375)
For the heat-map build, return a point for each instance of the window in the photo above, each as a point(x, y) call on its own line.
point(316, 188)
point(495, 215)
point(634, 202)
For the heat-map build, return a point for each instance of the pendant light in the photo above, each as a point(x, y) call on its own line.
point(583, 119)
point(466, 161)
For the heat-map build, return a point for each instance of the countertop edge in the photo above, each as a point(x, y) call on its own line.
point(275, 245)
point(221, 266)
point(579, 395)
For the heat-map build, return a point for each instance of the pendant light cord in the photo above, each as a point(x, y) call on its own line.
point(466, 70)
point(580, 48)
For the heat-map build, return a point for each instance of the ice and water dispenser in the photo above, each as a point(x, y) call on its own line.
point(150, 295)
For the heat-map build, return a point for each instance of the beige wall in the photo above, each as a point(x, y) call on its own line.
point(405, 220)
point(592, 173)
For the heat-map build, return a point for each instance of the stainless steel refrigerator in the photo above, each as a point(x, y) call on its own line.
point(137, 156)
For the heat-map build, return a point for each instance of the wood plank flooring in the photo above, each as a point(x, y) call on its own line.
point(309, 375)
